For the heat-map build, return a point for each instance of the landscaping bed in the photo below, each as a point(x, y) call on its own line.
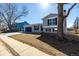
point(69, 46)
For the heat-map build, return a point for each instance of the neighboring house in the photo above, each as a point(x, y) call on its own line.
point(76, 25)
point(20, 26)
point(50, 24)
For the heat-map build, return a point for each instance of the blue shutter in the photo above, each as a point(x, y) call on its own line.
point(55, 21)
point(48, 22)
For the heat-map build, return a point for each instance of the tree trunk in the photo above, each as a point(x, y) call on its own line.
point(0, 27)
point(60, 20)
point(10, 28)
point(75, 30)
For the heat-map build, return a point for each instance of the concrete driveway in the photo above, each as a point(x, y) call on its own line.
point(10, 34)
point(19, 48)
point(4, 51)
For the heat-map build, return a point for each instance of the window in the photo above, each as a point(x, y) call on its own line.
point(41, 28)
point(36, 27)
point(54, 29)
point(49, 22)
point(48, 30)
point(55, 21)
point(52, 21)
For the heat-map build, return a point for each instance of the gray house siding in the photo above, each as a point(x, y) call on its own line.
point(34, 28)
point(50, 24)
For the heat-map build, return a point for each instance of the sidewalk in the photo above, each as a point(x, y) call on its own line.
point(19, 48)
point(4, 51)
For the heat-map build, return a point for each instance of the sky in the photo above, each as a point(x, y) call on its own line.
point(37, 11)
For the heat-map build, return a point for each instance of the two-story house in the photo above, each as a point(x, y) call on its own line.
point(50, 24)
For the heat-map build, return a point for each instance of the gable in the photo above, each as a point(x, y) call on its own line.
point(49, 16)
point(21, 24)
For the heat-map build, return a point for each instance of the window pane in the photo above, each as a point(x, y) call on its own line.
point(55, 21)
point(48, 30)
point(36, 27)
point(53, 29)
point(52, 21)
point(48, 22)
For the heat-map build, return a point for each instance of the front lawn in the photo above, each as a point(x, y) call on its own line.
point(29, 39)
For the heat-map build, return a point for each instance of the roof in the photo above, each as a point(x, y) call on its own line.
point(50, 15)
point(23, 23)
point(33, 25)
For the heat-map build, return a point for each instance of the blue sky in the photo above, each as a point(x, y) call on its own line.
point(37, 12)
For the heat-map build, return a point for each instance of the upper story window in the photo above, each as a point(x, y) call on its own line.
point(52, 21)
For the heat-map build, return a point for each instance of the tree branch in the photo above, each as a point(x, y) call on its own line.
point(4, 17)
point(69, 10)
point(22, 14)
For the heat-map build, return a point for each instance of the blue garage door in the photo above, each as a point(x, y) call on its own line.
point(28, 29)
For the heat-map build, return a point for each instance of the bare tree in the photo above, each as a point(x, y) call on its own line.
point(61, 18)
point(1, 23)
point(10, 13)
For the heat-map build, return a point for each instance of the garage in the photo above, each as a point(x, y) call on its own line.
point(28, 29)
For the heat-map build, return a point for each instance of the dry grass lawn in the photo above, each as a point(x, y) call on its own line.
point(29, 39)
